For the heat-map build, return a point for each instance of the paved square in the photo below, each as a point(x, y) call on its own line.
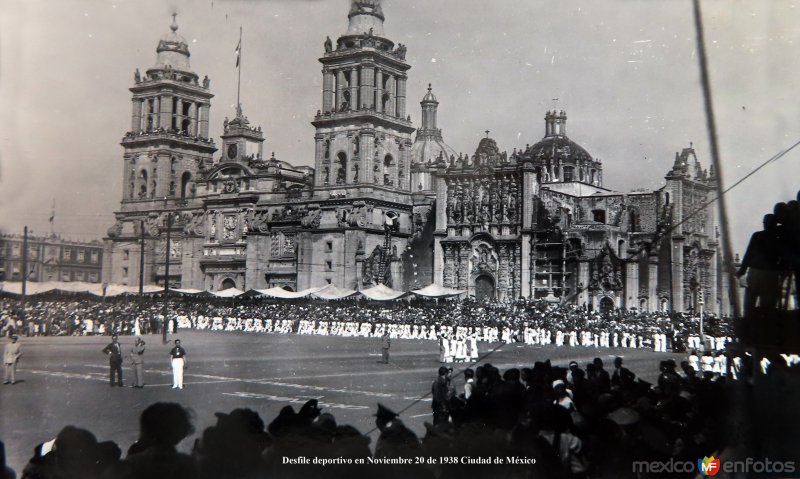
point(64, 380)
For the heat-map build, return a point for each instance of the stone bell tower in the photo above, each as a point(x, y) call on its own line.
point(166, 147)
point(362, 182)
point(363, 132)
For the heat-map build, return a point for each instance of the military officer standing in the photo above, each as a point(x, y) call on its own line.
point(137, 358)
point(11, 356)
point(114, 352)
point(178, 355)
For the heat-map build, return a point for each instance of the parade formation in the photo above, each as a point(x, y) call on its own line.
point(286, 282)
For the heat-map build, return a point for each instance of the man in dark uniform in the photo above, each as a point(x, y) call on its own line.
point(440, 393)
point(622, 377)
point(114, 352)
point(178, 355)
point(385, 344)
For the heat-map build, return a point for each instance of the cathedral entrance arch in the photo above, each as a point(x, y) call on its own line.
point(227, 283)
point(484, 288)
point(606, 304)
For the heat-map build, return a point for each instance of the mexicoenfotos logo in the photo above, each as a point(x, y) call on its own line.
point(708, 466)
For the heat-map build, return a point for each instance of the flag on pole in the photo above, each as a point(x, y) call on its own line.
point(238, 52)
point(53, 213)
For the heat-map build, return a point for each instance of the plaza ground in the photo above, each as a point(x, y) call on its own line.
point(64, 380)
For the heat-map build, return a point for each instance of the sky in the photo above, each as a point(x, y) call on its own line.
point(626, 73)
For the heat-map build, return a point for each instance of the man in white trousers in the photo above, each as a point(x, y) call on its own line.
point(178, 355)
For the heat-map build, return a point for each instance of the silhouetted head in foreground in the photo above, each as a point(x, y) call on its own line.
point(165, 424)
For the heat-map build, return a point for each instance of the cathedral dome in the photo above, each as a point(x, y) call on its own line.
point(366, 16)
point(429, 97)
point(173, 51)
point(558, 147)
point(430, 148)
point(429, 144)
point(559, 159)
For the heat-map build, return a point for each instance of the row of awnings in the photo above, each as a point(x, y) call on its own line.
point(327, 292)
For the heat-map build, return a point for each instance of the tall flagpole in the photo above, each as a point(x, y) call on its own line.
point(239, 65)
point(52, 217)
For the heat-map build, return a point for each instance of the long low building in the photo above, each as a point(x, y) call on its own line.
point(50, 258)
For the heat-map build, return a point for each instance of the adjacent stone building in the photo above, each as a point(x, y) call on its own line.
point(50, 258)
point(386, 205)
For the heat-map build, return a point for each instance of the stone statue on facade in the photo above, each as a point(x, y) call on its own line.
point(468, 210)
point(328, 44)
point(137, 77)
point(115, 230)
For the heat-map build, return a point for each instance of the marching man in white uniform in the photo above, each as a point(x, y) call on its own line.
point(178, 355)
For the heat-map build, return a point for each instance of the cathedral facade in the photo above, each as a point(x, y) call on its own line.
point(386, 203)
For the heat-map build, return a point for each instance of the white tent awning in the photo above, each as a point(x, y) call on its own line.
point(436, 291)
point(382, 293)
point(330, 292)
point(228, 293)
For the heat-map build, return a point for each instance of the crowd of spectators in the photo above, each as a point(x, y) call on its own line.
point(532, 322)
point(574, 422)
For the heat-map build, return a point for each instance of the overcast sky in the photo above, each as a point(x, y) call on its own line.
point(625, 71)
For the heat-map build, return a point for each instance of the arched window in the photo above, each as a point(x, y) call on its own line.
point(142, 184)
point(633, 221)
point(172, 188)
point(341, 174)
point(185, 179)
point(388, 164)
point(385, 102)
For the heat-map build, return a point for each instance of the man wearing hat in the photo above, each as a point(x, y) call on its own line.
point(137, 358)
point(10, 359)
point(573, 366)
point(114, 352)
point(396, 440)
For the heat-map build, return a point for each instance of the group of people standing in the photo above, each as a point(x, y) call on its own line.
point(772, 257)
point(114, 352)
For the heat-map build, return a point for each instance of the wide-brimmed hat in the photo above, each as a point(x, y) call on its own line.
point(385, 413)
